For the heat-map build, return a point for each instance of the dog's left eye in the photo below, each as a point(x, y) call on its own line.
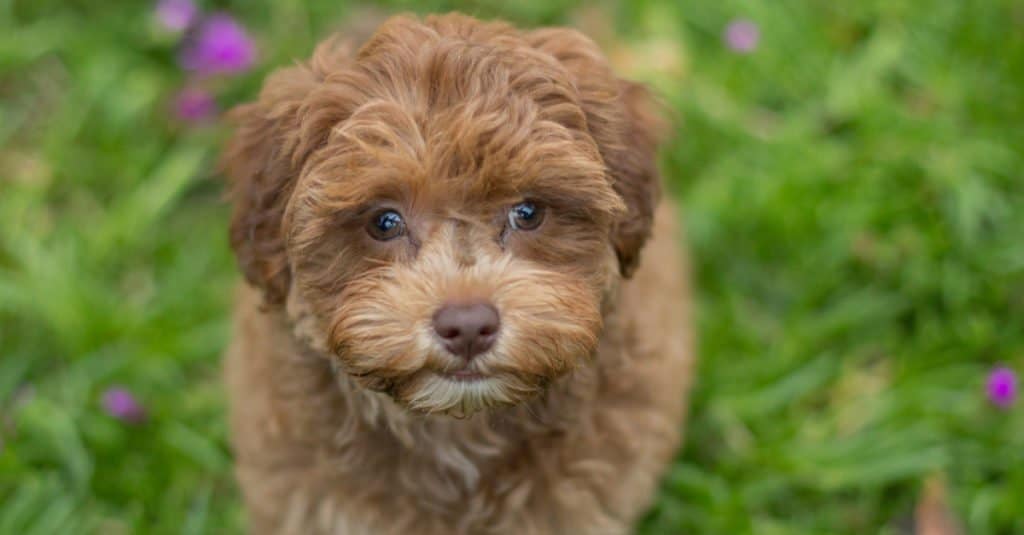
point(386, 225)
point(526, 215)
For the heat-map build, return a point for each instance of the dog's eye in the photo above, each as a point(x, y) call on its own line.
point(386, 225)
point(525, 216)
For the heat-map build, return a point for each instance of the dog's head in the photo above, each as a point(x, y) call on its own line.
point(446, 210)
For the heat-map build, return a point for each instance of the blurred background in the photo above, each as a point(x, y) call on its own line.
point(853, 179)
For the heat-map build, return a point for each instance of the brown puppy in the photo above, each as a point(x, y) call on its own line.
point(449, 327)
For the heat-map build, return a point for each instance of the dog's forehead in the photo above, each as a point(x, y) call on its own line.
point(458, 121)
point(464, 173)
point(493, 150)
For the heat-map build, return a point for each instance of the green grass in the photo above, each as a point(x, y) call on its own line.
point(855, 203)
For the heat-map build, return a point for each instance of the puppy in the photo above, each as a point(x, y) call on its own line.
point(448, 325)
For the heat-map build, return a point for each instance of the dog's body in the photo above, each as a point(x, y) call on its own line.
point(353, 410)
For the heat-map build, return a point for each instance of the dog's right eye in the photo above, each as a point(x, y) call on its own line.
point(386, 225)
point(526, 215)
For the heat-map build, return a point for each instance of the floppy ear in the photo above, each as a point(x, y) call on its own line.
point(622, 119)
point(262, 168)
point(263, 159)
point(635, 175)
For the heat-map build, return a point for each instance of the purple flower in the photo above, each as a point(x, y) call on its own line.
point(219, 45)
point(1002, 387)
point(742, 36)
point(193, 104)
point(121, 404)
point(176, 15)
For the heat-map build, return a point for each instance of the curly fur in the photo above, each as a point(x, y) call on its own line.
point(344, 417)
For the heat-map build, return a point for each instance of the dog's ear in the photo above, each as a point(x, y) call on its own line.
point(263, 159)
point(261, 167)
point(634, 169)
point(623, 120)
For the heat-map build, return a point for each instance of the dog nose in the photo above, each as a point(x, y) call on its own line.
point(467, 330)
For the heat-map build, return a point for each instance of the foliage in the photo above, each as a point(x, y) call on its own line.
point(854, 200)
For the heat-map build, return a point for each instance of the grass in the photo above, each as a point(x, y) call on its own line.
point(855, 204)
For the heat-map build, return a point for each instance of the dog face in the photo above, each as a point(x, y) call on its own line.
point(447, 210)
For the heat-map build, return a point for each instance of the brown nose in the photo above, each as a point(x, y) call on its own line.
point(467, 330)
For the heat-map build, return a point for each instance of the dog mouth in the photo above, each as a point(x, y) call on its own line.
point(443, 384)
point(465, 375)
point(458, 389)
